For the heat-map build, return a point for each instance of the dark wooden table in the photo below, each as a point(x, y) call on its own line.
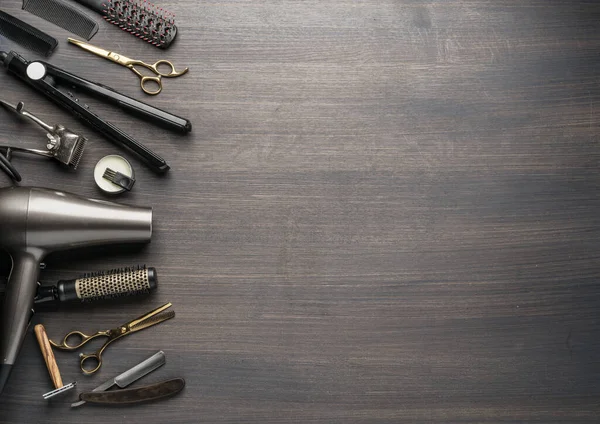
point(387, 212)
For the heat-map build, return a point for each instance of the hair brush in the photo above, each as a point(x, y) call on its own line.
point(141, 18)
point(99, 286)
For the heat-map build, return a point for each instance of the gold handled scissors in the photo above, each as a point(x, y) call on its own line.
point(147, 320)
point(132, 63)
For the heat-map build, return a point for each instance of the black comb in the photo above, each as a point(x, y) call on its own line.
point(63, 15)
point(141, 18)
point(25, 35)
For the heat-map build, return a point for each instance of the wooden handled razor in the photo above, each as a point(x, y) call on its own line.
point(46, 348)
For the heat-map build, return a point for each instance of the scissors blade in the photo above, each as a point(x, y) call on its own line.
point(149, 322)
point(151, 318)
point(93, 49)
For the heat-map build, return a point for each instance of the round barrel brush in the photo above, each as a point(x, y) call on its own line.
point(141, 18)
point(99, 286)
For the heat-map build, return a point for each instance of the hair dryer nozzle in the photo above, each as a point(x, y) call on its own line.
point(35, 222)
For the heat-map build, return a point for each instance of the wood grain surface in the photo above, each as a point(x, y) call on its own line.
point(386, 212)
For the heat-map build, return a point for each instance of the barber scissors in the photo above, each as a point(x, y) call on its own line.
point(146, 80)
point(147, 320)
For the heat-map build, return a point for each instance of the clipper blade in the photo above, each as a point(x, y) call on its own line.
point(66, 146)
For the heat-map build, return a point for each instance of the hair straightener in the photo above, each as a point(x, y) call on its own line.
point(46, 78)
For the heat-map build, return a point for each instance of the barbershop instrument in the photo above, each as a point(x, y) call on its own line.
point(146, 81)
point(147, 320)
point(45, 78)
point(35, 222)
point(116, 163)
point(63, 144)
point(42, 338)
point(62, 14)
point(118, 179)
point(25, 35)
point(9, 169)
point(133, 374)
point(141, 18)
point(98, 286)
point(153, 392)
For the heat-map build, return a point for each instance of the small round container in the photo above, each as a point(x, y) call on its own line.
point(116, 163)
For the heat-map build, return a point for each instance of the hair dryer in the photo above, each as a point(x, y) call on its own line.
point(35, 222)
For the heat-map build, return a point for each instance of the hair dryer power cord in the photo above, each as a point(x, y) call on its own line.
point(8, 167)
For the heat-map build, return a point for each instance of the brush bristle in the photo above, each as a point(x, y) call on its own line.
point(143, 19)
point(25, 35)
point(114, 283)
point(63, 15)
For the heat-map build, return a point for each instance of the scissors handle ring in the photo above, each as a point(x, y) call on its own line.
point(172, 73)
point(65, 345)
point(156, 80)
point(97, 357)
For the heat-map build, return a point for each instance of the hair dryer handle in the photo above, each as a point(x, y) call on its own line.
point(17, 309)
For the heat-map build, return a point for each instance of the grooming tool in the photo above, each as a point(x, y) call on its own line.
point(99, 286)
point(25, 35)
point(145, 80)
point(35, 222)
point(63, 144)
point(116, 163)
point(149, 319)
point(151, 23)
point(42, 338)
point(45, 77)
point(9, 169)
point(133, 374)
point(62, 14)
point(157, 391)
point(119, 179)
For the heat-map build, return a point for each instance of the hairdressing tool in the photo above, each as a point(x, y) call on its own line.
point(118, 179)
point(99, 286)
point(25, 35)
point(140, 18)
point(145, 80)
point(44, 78)
point(62, 14)
point(63, 144)
point(133, 374)
point(157, 391)
point(116, 163)
point(149, 319)
point(8, 168)
point(42, 338)
point(35, 222)
point(96, 286)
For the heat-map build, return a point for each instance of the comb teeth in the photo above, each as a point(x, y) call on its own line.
point(63, 15)
point(25, 35)
point(143, 19)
